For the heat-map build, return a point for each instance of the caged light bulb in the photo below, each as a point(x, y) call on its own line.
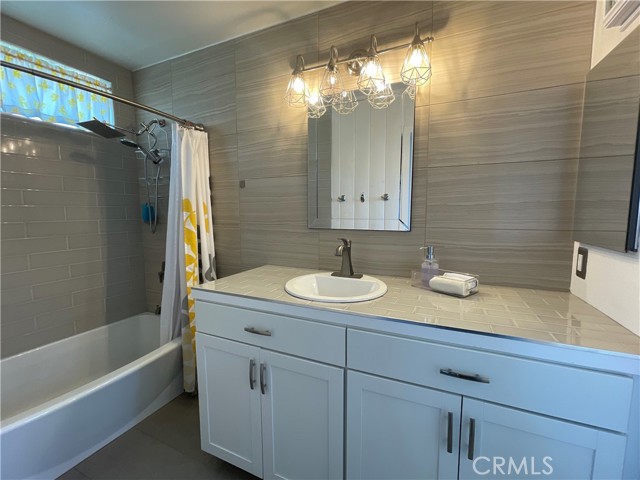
point(416, 69)
point(296, 95)
point(331, 84)
point(298, 85)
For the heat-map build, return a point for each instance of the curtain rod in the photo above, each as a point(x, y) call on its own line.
point(155, 111)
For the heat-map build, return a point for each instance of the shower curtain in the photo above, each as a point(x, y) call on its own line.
point(189, 249)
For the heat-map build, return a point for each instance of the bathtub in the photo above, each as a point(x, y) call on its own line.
point(63, 401)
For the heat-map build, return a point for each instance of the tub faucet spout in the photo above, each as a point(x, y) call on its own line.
point(346, 269)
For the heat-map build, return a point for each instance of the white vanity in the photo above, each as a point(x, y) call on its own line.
point(414, 384)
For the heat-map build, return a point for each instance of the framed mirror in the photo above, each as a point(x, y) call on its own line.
point(608, 188)
point(360, 166)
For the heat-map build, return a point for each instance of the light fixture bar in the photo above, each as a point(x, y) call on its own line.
point(380, 52)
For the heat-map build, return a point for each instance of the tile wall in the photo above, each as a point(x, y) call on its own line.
point(72, 256)
point(497, 132)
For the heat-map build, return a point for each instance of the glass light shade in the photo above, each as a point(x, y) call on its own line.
point(315, 105)
point(416, 69)
point(345, 103)
point(382, 97)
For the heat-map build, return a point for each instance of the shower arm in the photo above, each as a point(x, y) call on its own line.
point(155, 111)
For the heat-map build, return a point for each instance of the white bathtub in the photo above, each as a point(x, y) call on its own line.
point(63, 401)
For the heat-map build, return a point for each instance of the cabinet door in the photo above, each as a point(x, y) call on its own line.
point(302, 418)
point(400, 431)
point(229, 405)
point(500, 442)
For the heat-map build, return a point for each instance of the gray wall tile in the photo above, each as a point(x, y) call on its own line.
point(34, 277)
point(23, 180)
point(46, 229)
point(54, 179)
point(501, 60)
point(493, 100)
point(273, 152)
point(521, 258)
point(63, 257)
point(66, 287)
point(30, 213)
point(534, 125)
point(524, 195)
point(12, 230)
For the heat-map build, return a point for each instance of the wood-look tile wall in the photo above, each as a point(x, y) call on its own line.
point(497, 133)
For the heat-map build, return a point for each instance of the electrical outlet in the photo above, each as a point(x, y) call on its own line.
point(581, 262)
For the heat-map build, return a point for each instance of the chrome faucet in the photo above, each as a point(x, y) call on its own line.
point(344, 251)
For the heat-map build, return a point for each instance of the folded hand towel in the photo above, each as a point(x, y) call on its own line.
point(453, 285)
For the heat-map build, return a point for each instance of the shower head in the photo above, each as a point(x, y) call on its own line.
point(154, 155)
point(101, 128)
point(129, 143)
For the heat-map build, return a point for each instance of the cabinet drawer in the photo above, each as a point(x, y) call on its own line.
point(316, 341)
point(585, 396)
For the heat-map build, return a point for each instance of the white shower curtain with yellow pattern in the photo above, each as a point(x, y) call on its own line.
point(189, 226)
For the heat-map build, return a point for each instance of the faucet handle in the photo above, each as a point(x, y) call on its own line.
point(345, 241)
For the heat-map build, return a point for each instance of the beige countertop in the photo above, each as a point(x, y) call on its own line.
point(541, 315)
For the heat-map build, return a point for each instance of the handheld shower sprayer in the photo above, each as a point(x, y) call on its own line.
point(153, 155)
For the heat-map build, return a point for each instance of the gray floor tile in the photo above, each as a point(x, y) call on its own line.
point(178, 425)
point(73, 474)
point(165, 446)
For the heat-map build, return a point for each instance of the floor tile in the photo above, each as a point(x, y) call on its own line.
point(165, 446)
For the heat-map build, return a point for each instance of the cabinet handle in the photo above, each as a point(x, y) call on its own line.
point(472, 438)
point(263, 383)
point(450, 432)
point(258, 331)
point(473, 377)
point(252, 370)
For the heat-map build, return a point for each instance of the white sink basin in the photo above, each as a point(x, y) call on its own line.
point(322, 287)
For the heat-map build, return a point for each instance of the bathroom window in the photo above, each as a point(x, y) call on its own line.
point(37, 98)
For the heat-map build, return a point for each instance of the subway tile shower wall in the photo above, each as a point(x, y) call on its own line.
point(72, 256)
point(497, 132)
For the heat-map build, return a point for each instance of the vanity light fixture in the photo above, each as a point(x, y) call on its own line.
point(315, 105)
point(297, 92)
point(416, 71)
point(331, 86)
point(382, 97)
point(371, 79)
point(410, 91)
point(345, 103)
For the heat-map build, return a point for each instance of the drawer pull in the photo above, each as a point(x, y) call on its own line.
point(258, 331)
point(464, 376)
point(252, 373)
point(449, 432)
point(472, 438)
point(263, 382)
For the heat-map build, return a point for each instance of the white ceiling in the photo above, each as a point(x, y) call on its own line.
point(136, 34)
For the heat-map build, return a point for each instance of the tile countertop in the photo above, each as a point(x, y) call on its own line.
point(541, 315)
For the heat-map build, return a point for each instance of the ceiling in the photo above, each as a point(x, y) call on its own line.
point(136, 34)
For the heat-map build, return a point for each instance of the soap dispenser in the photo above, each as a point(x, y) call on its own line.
point(430, 265)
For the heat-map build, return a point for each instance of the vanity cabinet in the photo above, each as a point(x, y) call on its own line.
point(270, 413)
point(398, 430)
point(395, 426)
point(275, 382)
